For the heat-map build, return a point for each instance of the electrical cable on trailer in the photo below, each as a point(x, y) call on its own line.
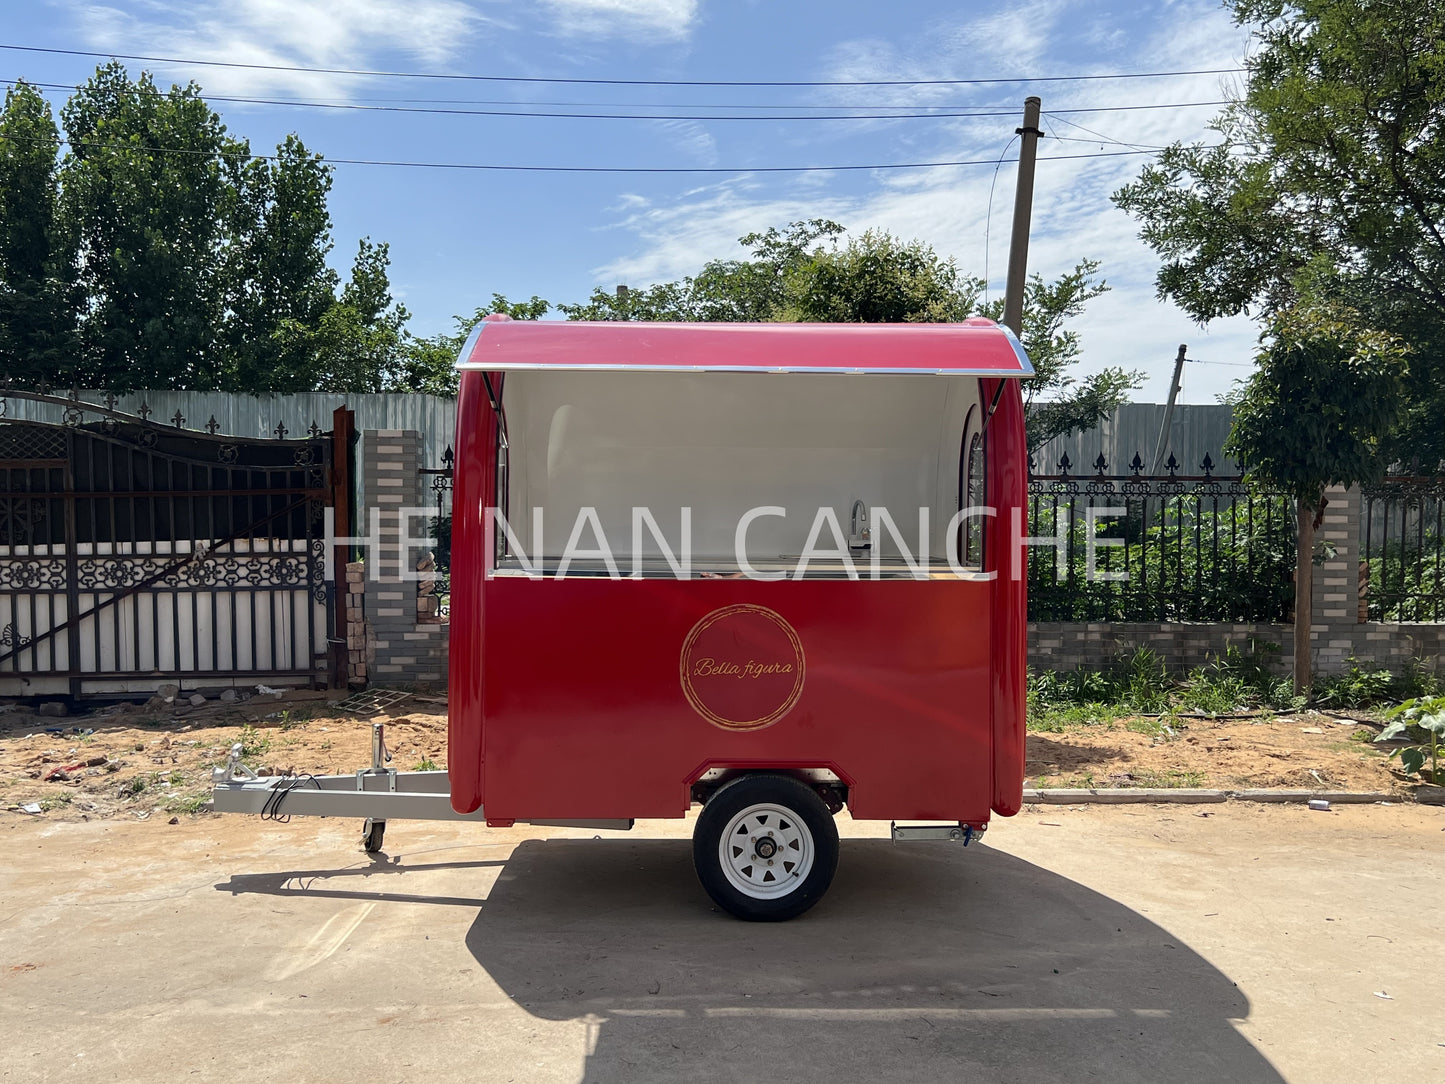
point(271, 811)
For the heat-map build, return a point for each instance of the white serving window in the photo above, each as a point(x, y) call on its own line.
point(724, 446)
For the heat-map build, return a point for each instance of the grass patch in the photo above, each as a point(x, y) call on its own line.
point(55, 801)
point(1171, 779)
point(1241, 680)
point(193, 803)
point(426, 764)
point(1141, 778)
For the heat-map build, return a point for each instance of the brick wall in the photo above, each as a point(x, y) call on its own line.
point(400, 649)
point(1059, 646)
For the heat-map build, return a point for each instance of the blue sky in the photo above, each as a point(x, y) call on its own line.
point(456, 236)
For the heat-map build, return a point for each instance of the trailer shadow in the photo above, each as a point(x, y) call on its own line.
point(341, 884)
point(924, 962)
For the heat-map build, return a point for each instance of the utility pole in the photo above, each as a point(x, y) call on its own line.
point(1159, 447)
point(1018, 249)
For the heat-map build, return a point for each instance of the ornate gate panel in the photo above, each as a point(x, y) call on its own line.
point(134, 553)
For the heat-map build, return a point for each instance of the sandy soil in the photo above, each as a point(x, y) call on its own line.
point(1308, 751)
point(143, 760)
point(146, 760)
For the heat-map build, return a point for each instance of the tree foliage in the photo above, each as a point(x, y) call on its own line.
point(36, 329)
point(159, 252)
point(1316, 409)
point(1326, 189)
point(802, 273)
point(428, 362)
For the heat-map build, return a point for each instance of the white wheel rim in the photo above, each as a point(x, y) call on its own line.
point(746, 843)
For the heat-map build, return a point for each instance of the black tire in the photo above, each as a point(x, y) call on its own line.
point(800, 845)
point(373, 833)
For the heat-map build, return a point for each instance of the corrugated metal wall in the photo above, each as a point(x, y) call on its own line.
point(1196, 430)
point(1134, 427)
point(258, 415)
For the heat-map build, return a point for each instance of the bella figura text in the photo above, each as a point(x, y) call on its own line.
point(708, 667)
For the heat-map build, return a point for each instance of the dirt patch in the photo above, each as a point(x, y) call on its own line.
point(133, 760)
point(1299, 752)
point(144, 761)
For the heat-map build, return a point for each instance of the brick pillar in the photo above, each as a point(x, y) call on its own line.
point(1336, 596)
point(400, 651)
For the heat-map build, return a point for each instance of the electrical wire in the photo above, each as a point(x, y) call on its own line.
point(246, 156)
point(361, 107)
point(271, 810)
point(988, 214)
point(621, 82)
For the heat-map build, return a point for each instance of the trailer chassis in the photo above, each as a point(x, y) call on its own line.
point(375, 795)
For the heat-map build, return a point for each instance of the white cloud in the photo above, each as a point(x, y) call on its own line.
point(1073, 215)
point(668, 19)
point(297, 33)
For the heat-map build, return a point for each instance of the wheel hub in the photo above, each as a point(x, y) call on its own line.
point(766, 851)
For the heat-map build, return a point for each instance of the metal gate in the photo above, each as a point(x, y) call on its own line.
point(134, 553)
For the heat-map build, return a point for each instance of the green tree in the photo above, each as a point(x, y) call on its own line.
point(801, 273)
point(1327, 187)
point(876, 278)
point(142, 192)
point(427, 363)
point(37, 316)
point(161, 253)
point(1314, 414)
point(279, 287)
point(358, 344)
point(1057, 402)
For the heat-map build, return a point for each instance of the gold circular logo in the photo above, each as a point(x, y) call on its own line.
point(742, 667)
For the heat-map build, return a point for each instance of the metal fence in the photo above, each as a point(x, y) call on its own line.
point(1402, 547)
point(134, 551)
point(439, 481)
point(1166, 547)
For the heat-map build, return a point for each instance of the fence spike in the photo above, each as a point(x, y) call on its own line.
point(1171, 465)
point(1136, 465)
point(109, 400)
point(1208, 465)
point(144, 411)
point(1101, 464)
point(280, 430)
point(315, 429)
point(212, 425)
point(449, 458)
point(179, 419)
point(1064, 465)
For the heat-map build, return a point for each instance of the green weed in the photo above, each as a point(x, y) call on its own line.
point(426, 764)
point(1357, 687)
point(254, 744)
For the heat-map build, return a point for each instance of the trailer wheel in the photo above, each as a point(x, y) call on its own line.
point(765, 848)
point(372, 834)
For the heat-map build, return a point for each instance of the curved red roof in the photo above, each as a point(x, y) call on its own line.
point(977, 347)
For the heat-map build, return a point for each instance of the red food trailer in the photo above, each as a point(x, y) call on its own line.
point(773, 569)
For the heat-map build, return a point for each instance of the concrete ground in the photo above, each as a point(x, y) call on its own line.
point(1219, 943)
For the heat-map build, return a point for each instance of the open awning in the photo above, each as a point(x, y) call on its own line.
point(976, 347)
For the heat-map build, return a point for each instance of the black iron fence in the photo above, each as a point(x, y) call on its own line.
point(1157, 547)
point(134, 550)
point(1402, 547)
point(439, 481)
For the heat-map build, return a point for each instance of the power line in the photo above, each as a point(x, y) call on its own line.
point(584, 169)
point(621, 82)
point(301, 103)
